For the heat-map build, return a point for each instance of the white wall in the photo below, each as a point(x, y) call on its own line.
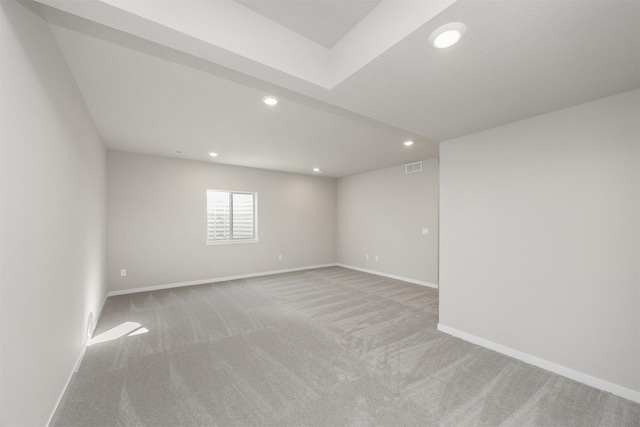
point(52, 215)
point(382, 213)
point(157, 221)
point(539, 238)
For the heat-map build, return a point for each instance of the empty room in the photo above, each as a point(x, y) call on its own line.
point(320, 213)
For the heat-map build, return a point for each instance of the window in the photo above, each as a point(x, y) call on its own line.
point(231, 217)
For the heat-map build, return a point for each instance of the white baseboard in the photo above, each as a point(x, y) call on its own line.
point(97, 316)
point(391, 276)
point(544, 364)
point(214, 280)
point(76, 365)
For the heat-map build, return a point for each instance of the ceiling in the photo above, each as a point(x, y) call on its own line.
point(324, 22)
point(355, 78)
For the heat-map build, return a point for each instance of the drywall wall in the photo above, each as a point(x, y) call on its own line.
point(52, 218)
point(157, 221)
point(382, 214)
point(539, 237)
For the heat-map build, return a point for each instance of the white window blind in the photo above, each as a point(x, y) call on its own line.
point(231, 217)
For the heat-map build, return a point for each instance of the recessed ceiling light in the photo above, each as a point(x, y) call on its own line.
point(270, 100)
point(408, 143)
point(317, 170)
point(447, 35)
point(213, 154)
point(184, 153)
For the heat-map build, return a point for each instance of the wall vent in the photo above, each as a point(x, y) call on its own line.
point(413, 167)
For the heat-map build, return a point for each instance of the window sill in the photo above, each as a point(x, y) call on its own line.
point(231, 242)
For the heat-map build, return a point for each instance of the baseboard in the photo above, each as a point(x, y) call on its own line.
point(76, 365)
point(391, 276)
point(97, 317)
point(545, 364)
point(214, 280)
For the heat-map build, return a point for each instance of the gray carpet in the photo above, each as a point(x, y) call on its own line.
point(325, 347)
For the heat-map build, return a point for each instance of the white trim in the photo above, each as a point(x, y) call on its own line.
point(80, 357)
point(231, 242)
point(76, 365)
point(545, 364)
point(97, 317)
point(214, 280)
point(66, 385)
point(392, 276)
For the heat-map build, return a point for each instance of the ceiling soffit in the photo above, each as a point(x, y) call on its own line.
point(227, 33)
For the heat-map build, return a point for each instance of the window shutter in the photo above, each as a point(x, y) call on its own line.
point(218, 217)
point(231, 216)
point(243, 216)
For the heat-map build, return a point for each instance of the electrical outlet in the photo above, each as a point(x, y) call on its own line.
point(367, 257)
point(425, 231)
point(123, 272)
point(279, 257)
point(377, 258)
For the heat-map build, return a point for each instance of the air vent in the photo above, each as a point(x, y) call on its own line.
point(413, 167)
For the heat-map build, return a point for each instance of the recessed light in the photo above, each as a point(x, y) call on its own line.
point(184, 153)
point(270, 100)
point(408, 143)
point(317, 170)
point(213, 154)
point(447, 35)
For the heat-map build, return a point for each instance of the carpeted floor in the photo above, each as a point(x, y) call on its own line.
point(325, 347)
